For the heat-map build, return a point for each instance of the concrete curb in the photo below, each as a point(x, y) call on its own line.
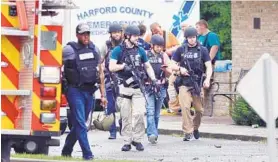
point(216, 135)
point(210, 134)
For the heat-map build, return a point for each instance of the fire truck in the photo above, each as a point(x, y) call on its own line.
point(31, 60)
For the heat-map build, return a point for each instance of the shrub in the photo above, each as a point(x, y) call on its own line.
point(243, 114)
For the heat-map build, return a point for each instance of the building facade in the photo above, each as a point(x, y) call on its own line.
point(254, 32)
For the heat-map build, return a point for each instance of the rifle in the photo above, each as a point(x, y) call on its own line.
point(138, 76)
point(156, 89)
point(114, 84)
point(112, 76)
point(194, 78)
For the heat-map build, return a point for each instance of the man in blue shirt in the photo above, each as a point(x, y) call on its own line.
point(111, 85)
point(189, 60)
point(130, 63)
point(81, 61)
point(141, 42)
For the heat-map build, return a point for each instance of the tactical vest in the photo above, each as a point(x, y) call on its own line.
point(83, 70)
point(126, 56)
point(110, 47)
point(156, 61)
point(107, 60)
point(109, 50)
point(110, 77)
point(194, 57)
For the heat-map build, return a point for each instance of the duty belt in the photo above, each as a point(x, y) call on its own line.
point(86, 87)
point(78, 85)
point(159, 82)
point(125, 96)
point(132, 85)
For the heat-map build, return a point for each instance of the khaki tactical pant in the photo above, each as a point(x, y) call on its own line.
point(132, 114)
point(189, 122)
point(173, 96)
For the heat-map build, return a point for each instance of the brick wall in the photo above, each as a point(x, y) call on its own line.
point(222, 104)
point(248, 44)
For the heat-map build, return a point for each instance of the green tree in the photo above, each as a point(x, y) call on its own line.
point(218, 15)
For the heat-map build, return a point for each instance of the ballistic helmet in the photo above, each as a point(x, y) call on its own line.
point(157, 40)
point(115, 28)
point(190, 32)
point(132, 30)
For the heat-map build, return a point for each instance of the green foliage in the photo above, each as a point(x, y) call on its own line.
point(218, 15)
point(243, 114)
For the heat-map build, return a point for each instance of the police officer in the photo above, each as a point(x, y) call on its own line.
point(111, 85)
point(128, 59)
point(156, 95)
point(192, 58)
point(82, 69)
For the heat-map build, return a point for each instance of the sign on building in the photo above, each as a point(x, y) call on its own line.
point(100, 14)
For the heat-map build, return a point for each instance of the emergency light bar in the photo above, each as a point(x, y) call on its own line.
point(48, 118)
point(48, 105)
point(48, 91)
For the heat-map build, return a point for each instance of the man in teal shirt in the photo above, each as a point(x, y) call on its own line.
point(209, 39)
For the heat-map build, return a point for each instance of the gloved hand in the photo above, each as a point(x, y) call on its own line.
point(127, 68)
point(184, 71)
point(154, 82)
point(155, 85)
point(156, 89)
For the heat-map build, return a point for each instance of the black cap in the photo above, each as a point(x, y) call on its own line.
point(82, 28)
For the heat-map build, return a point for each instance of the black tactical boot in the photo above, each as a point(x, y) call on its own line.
point(196, 134)
point(126, 148)
point(138, 146)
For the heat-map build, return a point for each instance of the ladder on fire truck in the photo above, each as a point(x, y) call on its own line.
point(25, 32)
point(15, 8)
point(47, 8)
point(26, 11)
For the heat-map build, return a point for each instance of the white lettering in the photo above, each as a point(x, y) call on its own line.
point(129, 80)
point(86, 56)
